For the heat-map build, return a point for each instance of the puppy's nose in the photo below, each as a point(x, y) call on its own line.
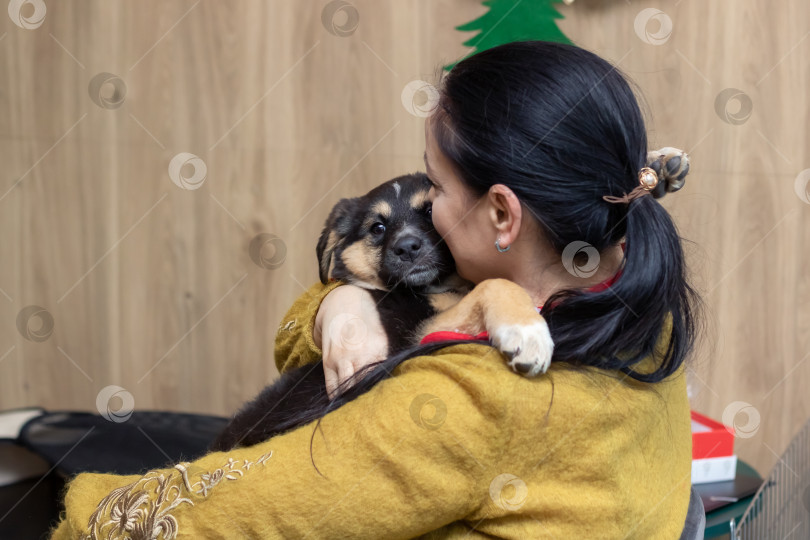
point(407, 247)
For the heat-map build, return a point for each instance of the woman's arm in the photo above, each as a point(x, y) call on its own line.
point(339, 324)
point(416, 452)
point(295, 345)
point(349, 331)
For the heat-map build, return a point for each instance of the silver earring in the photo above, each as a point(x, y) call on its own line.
point(498, 245)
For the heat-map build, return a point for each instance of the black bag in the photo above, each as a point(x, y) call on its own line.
point(79, 442)
point(75, 442)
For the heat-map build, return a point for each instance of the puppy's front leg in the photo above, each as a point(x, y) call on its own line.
point(506, 311)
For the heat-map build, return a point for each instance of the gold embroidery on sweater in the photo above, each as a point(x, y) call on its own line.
point(133, 512)
point(288, 327)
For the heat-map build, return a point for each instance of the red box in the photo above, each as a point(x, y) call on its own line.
point(713, 439)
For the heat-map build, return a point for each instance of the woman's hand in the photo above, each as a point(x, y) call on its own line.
point(349, 333)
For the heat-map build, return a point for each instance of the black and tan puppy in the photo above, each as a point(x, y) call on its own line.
point(385, 242)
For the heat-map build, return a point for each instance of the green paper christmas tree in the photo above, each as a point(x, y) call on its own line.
point(513, 20)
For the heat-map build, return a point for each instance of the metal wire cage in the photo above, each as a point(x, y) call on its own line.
point(781, 506)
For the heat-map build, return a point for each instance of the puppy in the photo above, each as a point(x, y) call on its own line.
point(385, 242)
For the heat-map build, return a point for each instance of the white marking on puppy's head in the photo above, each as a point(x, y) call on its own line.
point(397, 188)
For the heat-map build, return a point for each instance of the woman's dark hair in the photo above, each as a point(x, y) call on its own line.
point(561, 127)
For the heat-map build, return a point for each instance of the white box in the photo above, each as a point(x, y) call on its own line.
point(715, 469)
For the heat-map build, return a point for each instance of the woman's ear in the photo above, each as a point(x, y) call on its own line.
point(338, 226)
point(506, 212)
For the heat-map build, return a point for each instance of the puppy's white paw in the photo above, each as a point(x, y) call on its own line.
point(529, 347)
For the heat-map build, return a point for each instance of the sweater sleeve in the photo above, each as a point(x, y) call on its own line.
point(413, 454)
point(294, 345)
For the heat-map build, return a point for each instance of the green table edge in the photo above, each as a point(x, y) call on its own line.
point(718, 521)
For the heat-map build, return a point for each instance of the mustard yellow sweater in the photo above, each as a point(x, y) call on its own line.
point(453, 445)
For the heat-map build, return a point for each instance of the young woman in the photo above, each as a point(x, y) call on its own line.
point(538, 154)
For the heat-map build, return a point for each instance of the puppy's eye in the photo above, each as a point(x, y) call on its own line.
point(377, 228)
point(428, 209)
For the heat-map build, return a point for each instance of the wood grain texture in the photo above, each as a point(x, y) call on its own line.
point(152, 288)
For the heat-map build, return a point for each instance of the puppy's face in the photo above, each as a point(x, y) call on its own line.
point(385, 238)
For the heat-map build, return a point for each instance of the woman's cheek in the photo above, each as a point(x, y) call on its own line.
point(436, 215)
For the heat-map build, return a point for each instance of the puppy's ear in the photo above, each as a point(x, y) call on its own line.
point(338, 226)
